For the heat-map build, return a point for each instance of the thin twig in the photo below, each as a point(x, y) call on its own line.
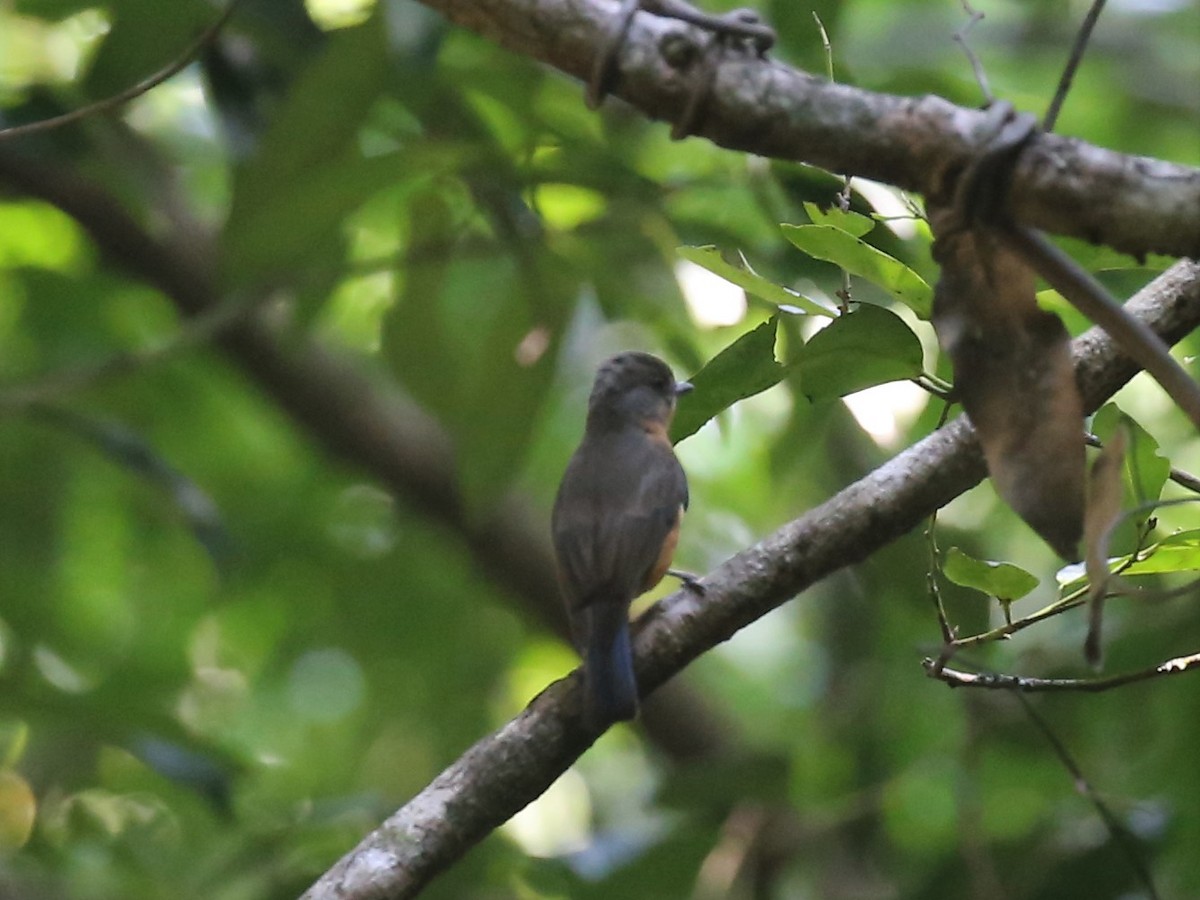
point(1120, 834)
point(826, 45)
point(1184, 479)
point(998, 681)
point(935, 561)
point(845, 295)
point(931, 581)
point(960, 37)
point(931, 384)
point(1068, 75)
point(935, 568)
point(1059, 606)
point(173, 68)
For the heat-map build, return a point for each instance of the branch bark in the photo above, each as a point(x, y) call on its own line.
point(502, 773)
point(1061, 185)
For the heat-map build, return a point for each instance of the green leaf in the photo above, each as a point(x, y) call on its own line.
point(37, 234)
point(744, 368)
point(311, 149)
point(854, 224)
point(746, 278)
point(860, 258)
point(18, 810)
point(1146, 470)
point(998, 579)
point(140, 41)
point(128, 449)
point(279, 233)
point(323, 113)
point(860, 349)
point(502, 390)
point(452, 340)
point(416, 342)
point(1178, 553)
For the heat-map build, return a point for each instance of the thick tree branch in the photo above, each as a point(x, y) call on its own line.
point(1061, 185)
point(505, 771)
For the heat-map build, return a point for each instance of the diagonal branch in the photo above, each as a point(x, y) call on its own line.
point(1061, 185)
point(505, 771)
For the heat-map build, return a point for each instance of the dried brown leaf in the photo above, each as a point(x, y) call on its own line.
point(1014, 375)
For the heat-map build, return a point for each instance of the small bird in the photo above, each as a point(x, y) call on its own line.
point(616, 521)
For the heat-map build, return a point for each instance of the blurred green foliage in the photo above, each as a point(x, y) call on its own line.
point(226, 654)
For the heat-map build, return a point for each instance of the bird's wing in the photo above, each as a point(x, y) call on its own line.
point(611, 521)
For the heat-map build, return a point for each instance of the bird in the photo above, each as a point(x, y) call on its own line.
point(616, 520)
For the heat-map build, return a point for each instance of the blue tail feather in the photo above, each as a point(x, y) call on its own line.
point(608, 668)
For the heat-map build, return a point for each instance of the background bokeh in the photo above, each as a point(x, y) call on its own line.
point(227, 651)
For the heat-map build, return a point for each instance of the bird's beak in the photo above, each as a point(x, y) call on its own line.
point(683, 387)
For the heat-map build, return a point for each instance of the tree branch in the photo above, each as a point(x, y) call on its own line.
point(1060, 185)
point(998, 681)
point(505, 771)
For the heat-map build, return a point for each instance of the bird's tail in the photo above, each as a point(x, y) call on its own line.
point(611, 689)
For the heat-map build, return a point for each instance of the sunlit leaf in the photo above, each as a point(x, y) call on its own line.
point(14, 736)
point(997, 579)
point(33, 233)
point(854, 224)
point(860, 258)
point(860, 349)
point(710, 258)
point(18, 809)
point(1178, 553)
